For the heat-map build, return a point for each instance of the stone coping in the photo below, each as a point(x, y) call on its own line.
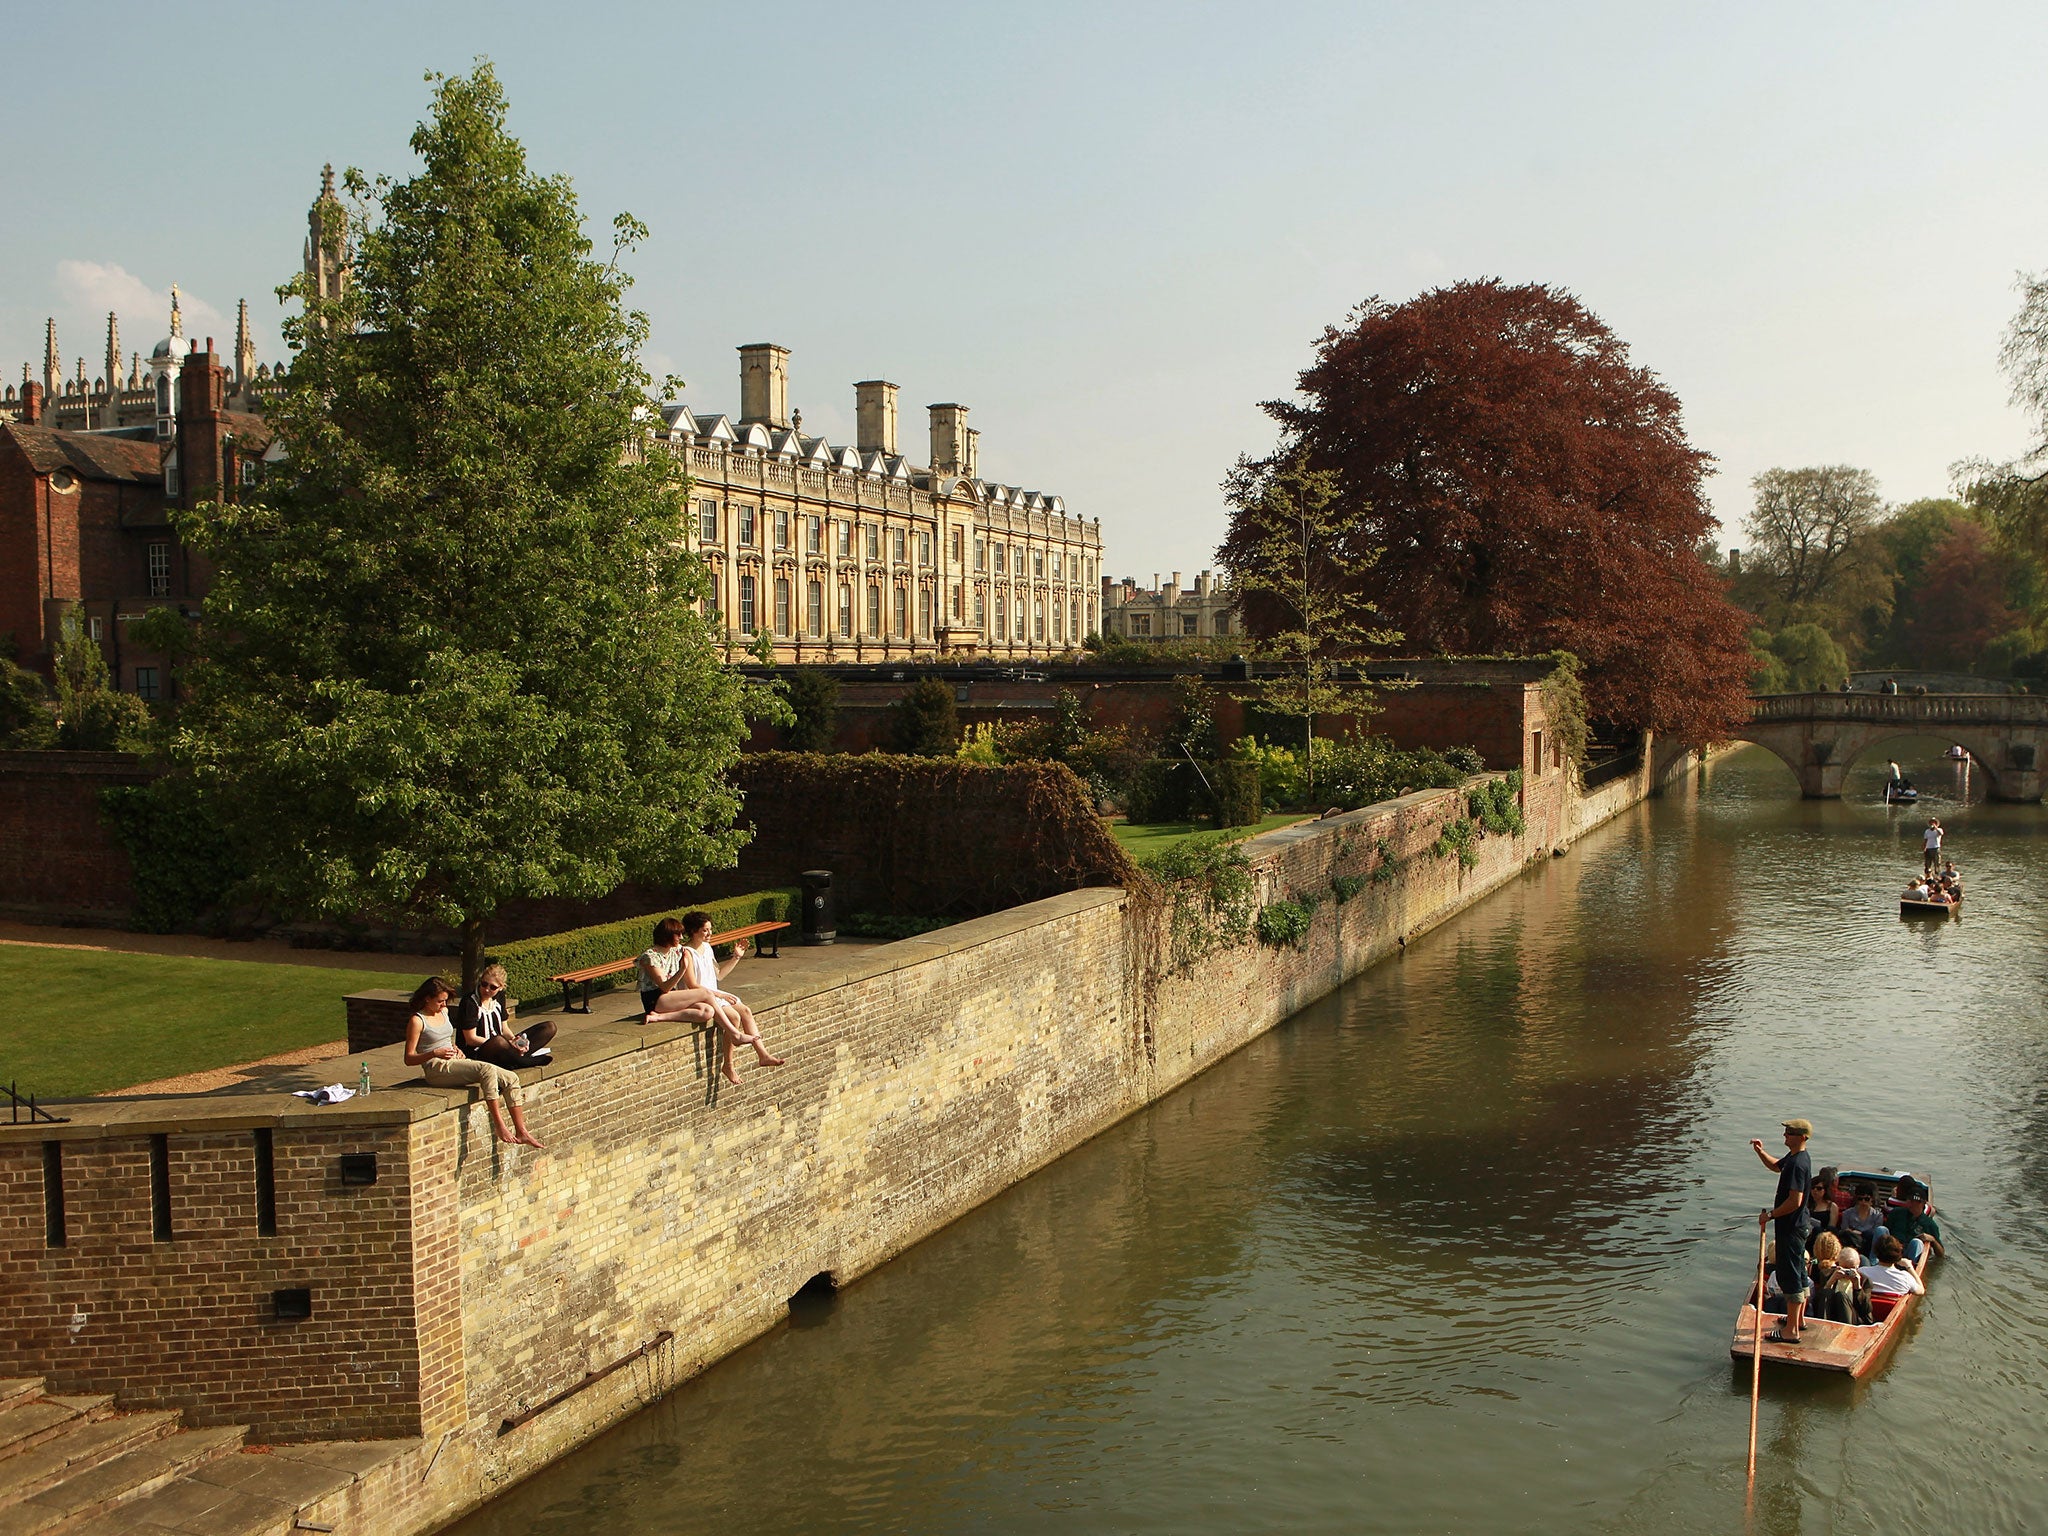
point(399, 1096)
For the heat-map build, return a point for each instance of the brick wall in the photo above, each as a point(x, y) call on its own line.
point(58, 857)
point(189, 1322)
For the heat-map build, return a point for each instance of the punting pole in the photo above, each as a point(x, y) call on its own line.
point(1756, 1362)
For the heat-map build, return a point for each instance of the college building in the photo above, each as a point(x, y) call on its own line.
point(1204, 611)
point(824, 552)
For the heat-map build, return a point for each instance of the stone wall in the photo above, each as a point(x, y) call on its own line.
point(673, 1217)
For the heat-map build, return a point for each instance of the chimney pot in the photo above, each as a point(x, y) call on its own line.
point(874, 414)
point(764, 383)
point(949, 439)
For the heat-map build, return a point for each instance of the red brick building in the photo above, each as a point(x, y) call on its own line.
point(85, 517)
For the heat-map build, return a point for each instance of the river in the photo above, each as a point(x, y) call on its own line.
point(1460, 1247)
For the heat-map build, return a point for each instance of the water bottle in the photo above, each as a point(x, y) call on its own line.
point(363, 1079)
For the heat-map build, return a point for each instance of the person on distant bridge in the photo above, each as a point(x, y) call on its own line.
point(1930, 846)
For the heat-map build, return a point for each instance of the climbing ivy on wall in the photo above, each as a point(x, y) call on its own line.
point(183, 863)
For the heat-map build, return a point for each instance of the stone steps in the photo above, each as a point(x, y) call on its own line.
point(253, 1494)
point(116, 1484)
point(84, 1444)
point(39, 1418)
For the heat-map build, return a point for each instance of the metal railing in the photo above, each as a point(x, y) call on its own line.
point(19, 1102)
point(1903, 709)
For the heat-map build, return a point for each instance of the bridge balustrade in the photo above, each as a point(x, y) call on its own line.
point(1903, 709)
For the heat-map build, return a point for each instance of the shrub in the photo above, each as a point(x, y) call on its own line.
point(1161, 790)
point(530, 962)
point(879, 925)
point(1366, 770)
point(1460, 837)
point(926, 722)
point(182, 860)
point(1279, 769)
point(983, 744)
point(813, 697)
point(1210, 885)
point(1285, 924)
point(1234, 794)
point(1496, 806)
point(1465, 759)
point(91, 715)
point(26, 723)
point(1389, 863)
point(1344, 887)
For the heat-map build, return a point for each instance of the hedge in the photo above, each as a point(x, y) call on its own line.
point(1178, 789)
point(530, 962)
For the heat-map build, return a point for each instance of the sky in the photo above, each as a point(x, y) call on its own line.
point(1112, 229)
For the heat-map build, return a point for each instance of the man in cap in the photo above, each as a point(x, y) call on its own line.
point(1788, 1218)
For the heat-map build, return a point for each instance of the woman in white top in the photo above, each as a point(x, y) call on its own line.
point(666, 994)
point(735, 1020)
point(430, 1046)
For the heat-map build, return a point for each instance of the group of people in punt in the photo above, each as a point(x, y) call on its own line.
point(1834, 1246)
point(469, 1044)
point(1944, 884)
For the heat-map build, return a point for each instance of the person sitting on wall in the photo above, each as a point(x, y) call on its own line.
point(667, 996)
point(430, 1046)
point(480, 1027)
point(735, 1020)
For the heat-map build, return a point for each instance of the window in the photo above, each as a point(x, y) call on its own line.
point(1038, 619)
point(1059, 631)
point(1222, 623)
point(1001, 549)
point(1058, 568)
point(814, 608)
point(1038, 563)
point(248, 472)
point(746, 527)
point(957, 609)
point(782, 605)
point(1074, 610)
point(845, 608)
point(845, 537)
point(711, 601)
point(980, 555)
point(902, 613)
point(160, 570)
point(980, 615)
point(172, 482)
point(145, 682)
point(814, 535)
point(924, 549)
point(874, 610)
point(782, 528)
point(1017, 564)
point(707, 520)
point(746, 605)
point(1536, 750)
point(874, 541)
point(896, 543)
point(1002, 613)
point(958, 546)
point(95, 628)
point(1140, 623)
point(1190, 624)
point(924, 612)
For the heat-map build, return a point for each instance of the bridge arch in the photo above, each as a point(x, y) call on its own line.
point(1820, 736)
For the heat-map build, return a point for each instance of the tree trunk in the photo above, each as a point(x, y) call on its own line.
point(472, 951)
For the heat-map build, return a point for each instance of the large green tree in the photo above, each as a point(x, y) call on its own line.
point(1815, 553)
point(450, 656)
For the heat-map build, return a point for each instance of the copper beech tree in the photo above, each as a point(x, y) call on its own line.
point(1521, 487)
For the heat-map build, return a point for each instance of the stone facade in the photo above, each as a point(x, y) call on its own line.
point(1205, 611)
point(855, 553)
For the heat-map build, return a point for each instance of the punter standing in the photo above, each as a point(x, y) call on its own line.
point(1930, 846)
point(1788, 1216)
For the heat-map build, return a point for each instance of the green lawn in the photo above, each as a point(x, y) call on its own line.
point(1159, 836)
point(79, 1022)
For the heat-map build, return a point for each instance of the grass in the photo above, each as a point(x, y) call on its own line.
point(1159, 836)
point(80, 1022)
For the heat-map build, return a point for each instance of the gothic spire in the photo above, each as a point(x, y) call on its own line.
point(177, 317)
point(245, 349)
point(53, 362)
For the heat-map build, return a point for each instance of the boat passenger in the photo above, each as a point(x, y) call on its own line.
point(1892, 1275)
point(1841, 1294)
point(1862, 1222)
point(1822, 1210)
point(1917, 1232)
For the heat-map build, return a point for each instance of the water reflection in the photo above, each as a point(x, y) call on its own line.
point(1460, 1248)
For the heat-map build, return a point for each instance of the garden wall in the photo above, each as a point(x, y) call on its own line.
point(59, 861)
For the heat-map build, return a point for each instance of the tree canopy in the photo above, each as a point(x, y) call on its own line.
point(1510, 482)
point(1812, 556)
point(450, 656)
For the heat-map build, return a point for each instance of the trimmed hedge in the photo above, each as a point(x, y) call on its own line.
point(530, 962)
point(1236, 798)
point(1167, 789)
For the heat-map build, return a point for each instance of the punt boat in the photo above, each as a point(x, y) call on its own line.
point(1846, 1349)
point(1915, 906)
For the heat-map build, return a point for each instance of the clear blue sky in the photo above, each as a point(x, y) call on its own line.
point(1111, 229)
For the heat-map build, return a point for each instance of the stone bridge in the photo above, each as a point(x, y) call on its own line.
point(1819, 735)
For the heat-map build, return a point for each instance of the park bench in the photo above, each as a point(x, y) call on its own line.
point(770, 950)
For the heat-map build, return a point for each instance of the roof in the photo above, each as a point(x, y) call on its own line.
point(90, 455)
point(252, 434)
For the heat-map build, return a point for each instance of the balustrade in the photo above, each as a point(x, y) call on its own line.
point(1904, 709)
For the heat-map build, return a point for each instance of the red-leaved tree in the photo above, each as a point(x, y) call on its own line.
point(1529, 490)
point(1959, 607)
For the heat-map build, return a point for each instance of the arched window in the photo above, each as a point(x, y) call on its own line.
point(846, 611)
point(874, 611)
point(746, 605)
point(814, 607)
point(1038, 618)
point(782, 605)
point(1002, 615)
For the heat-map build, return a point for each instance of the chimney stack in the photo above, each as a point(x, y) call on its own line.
point(974, 453)
point(874, 414)
point(31, 404)
point(949, 439)
point(764, 384)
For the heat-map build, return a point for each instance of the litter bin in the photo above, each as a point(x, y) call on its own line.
point(818, 923)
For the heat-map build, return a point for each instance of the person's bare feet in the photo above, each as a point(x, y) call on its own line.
point(765, 1059)
point(533, 1141)
point(732, 1077)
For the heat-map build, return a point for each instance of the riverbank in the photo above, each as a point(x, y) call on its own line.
point(504, 1306)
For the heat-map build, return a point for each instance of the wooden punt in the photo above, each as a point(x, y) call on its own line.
point(1846, 1349)
point(1913, 906)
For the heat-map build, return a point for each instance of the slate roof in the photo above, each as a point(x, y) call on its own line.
point(90, 455)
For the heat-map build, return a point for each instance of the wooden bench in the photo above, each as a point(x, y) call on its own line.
point(771, 950)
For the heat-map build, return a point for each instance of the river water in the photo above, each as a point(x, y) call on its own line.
point(1460, 1248)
